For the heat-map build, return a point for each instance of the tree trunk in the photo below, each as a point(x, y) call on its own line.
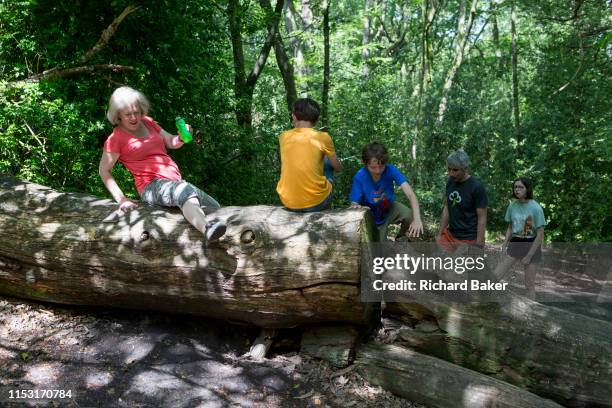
point(292, 29)
point(365, 52)
point(515, 90)
point(495, 35)
point(549, 351)
point(436, 383)
point(286, 69)
point(325, 93)
point(244, 85)
point(306, 18)
point(463, 32)
point(284, 64)
point(428, 11)
point(273, 268)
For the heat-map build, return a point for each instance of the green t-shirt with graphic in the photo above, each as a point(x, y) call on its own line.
point(526, 218)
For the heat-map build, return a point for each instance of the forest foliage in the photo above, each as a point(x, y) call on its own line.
point(522, 85)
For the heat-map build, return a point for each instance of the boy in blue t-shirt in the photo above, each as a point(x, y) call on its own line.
point(373, 186)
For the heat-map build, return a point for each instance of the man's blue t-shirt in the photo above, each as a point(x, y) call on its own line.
point(378, 195)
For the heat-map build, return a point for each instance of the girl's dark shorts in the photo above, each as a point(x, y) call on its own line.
point(518, 248)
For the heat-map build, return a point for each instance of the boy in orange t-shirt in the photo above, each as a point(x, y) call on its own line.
point(304, 152)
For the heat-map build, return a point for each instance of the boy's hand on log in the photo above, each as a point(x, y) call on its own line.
point(415, 229)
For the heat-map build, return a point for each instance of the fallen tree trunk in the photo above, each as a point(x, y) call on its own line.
point(436, 383)
point(273, 268)
point(551, 352)
point(276, 269)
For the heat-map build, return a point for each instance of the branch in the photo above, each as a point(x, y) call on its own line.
point(576, 74)
point(218, 7)
point(56, 73)
point(575, 14)
point(401, 38)
point(108, 33)
point(265, 49)
point(595, 32)
point(35, 136)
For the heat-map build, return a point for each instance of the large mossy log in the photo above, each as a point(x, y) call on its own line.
point(437, 383)
point(548, 351)
point(273, 268)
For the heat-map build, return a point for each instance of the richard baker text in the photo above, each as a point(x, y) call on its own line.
point(439, 285)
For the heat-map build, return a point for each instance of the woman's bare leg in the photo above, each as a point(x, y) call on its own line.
point(193, 213)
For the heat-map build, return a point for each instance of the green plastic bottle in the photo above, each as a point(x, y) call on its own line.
point(182, 129)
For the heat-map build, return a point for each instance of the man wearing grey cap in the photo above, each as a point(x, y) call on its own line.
point(464, 216)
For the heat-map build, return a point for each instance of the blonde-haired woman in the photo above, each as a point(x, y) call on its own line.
point(139, 143)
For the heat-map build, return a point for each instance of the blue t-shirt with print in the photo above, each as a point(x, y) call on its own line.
point(378, 195)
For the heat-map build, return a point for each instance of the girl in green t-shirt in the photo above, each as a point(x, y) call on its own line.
point(524, 234)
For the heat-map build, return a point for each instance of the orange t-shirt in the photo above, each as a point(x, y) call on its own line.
point(302, 183)
point(146, 158)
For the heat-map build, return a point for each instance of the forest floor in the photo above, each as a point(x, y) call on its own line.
point(119, 358)
point(131, 359)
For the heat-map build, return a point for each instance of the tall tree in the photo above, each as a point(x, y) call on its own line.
point(429, 10)
point(495, 36)
point(367, 27)
point(244, 85)
point(515, 86)
point(325, 95)
point(463, 31)
point(283, 61)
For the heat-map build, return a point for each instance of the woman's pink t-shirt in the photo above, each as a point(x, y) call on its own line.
point(146, 158)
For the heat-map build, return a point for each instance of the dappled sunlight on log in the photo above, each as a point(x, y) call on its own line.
point(263, 271)
point(547, 350)
point(437, 383)
point(480, 396)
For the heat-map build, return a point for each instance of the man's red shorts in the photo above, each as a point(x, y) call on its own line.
point(450, 243)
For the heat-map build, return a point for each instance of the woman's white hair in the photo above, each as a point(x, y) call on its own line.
point(122, 98)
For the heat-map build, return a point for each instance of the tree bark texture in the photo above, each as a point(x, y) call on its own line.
point(550, 352)
point(273, 268)
point(436, 383)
